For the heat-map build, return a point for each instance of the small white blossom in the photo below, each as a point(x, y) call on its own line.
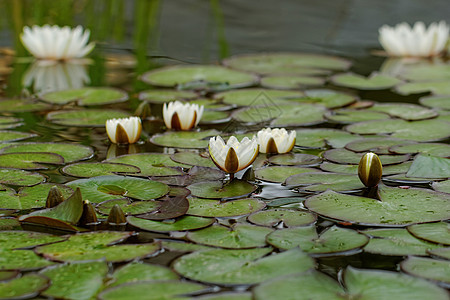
point(124, 131)
point(276, 140)
point(179, 116)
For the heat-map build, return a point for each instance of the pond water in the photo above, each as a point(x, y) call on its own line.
point(292, 226)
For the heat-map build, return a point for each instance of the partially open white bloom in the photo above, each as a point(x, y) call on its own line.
point(234, 155)
point(124, 131)
point(276, 140)
point(179, 116)
point(56, 43)
point(418, 41)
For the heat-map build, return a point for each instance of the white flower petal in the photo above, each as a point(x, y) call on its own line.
point(185, 112)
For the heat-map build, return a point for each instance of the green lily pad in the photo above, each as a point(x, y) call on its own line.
point(257, 114)
point(435, 87)
point(290, 82)
point(85, 279)
point(428, 268)
point(295, 159)
point(128, 208)
point(321, 137)
point(442, 186)
point(185, 75)
point(353, 169)
point(279, 173)
point(13, 136)
point(327, 98)
point(396, 241)
point(70, 152)
point(227, 296)
point(25, 239)
point(99, 189)
point(286, 63)
point(25, 260)
point(422, 131)
point(194, 159)
point(97, 245)
point(402, 179)
point(211, 104)
point(427, 166)
point(398, 207)
point(150, 164)
point(179, 246)
point(160, 96)
point(170, 289)
point(140, 271)
point(299, 115)
point(27, 286)
point(9, 224)
point(426, 72)
point(218, 190)
point(434, 149)
point(406, 111)
point(344, 156)
point(214, 117)
point(181, 224)
point(216, 208)
point(348, 116)
point(92, 169)
point(378, 145)
point(30, 161)
point(194, 175)
point(86, 96)
point(374, 81)
point(329, 242)
point(8, 275)
point(20, 177)
point(321, 181)
point(22, 105)
point(85, 117)
point(184, 139)
point(257, 97)
point(434, 232)
point(279, 202)
point(440, 253)
point(439, 102)
point(282, 216)
point(238, 236)
point(236, 267)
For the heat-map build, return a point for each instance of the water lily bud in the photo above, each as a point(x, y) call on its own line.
point(276, 140)
point(370, 169)
point(234, 155)
point(143, 110)
point(54, 197)
point(89, 217)
point(116, 216)
point(125, 130)
point(179, 116)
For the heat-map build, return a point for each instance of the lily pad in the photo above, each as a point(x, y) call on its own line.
point(184, 75)
point(440, 252)
point(86, 96)
point(427, 166)
point(348, 116)
point(409, 112)
point(184, 139)
point(182, 224)
point(160, 96)
point(30, 161)
point(195, 174)
point(283, 217)
point(398, 207)
point(27, 286)
point(194, 159)
point(328, 98)
point(218, 190)
point(102, 188)
point(295, 159)
point(85, 117)
point(13, 136)
point(139, 271)
point(434, 149)
point(214, 117)
point(85, 279)
point(434, 232)
point(321, 137)
point(216, 208)
point(435, 87)
point(279, 173)
point(34, 196)
point(173, 205)
point(321, 181)
point(374, 82)
point(25, 260)
point(300, 115)
point(238, 236)
point(227, 296)
point(97, 245)
point(20, 177)
point(353, 169)
point(257, 97)
point(344, 156)
point(290, 82)
point(128, 208)
point(439, 102)
point(70, 152)
point(179, 246)
point(26, 239)
point(378, 145)
point(92, 169)
point(22, 105)
point(428, 268)
point(442, 186)
point(237, 267)
point(426, 72)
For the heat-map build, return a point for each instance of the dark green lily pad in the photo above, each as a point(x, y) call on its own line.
point(329, 242)
point(328, 98)
point(170, 289)
point(9, 224)
point(70, 152)
point(396, 241)
point(219, 190)
point(428, 268)
point(378, 145)
point(435, 87)
point(406, 111)
point(348, 116)
point(101, 188)
point(162, 96)
point(373, 82)
point(227, 296)
point(86, 96)
point(283, 217)
point(321, 137)
point(92, 169)
point(211, 104)
point(25, 260)
point(426, 72)
point(295, 159)
point(439, 102)
point(422, 131)
point(13, 136)
point(290, 82)
point(140, 271)
point(8, 275)
point(434, 232)
point(278, 202)
point(402, 179)
point(299, 115)
point(434, 149)
point(236, 267)
point(180, 246)
point(22, 105)
point(85, 117)
point(97, 245)
point(427, 166)
point(30, 161)
point(184, 139)
point(353, 169)
point(186, 75)
point(20, 177)
point(210, 117)
point(216, 208)
point(194, 159)
point(173, 205)
point(85, 279)
point(344, 156)
point(257, 97)
point(128, 208)
point(440, 253)
point(398, 207)
point(238, 236)
point(182, 224)
point(150, 164)
point(321, 181)
point(279, 173)
point(9, 120)
point(27, 286)
point(195, 174)
point(25, 239)
point(442, 186)
point(257, 114)
point(286, 63)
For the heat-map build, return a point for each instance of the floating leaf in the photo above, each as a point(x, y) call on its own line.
point(184, 139)
point(434, 232)
point(300, 115)
point(441, 253)
point(257, 97)
point(22, 105)
point(216, 208)
point(435, 87)
point(348, 116)
point(374, 82)
point(434, 149)
point(160, 96)
point(328, 98)
point(20, 177)
point(170, 207)
point(353, 169)
point(320, 137)
point(443, 186)
point(34, 196)
point(281, 216)
point(25, 260)
point(27, 286)
point(290, 82)
point(13, 136)
point(439, 102)
point(279, 173)
point(378, 145)
point(30, 161)
point(85, 117)
point(214, 117)
point(409, 112)
point(128, 208)
point(181, 224)
point(179, 246)
point(86, 96)
point(321, 181)
point(92, 169)
point(194, 159)
point(295, 159)
point(139, 271)
point(218, 190)
point(428, 268)
point(344, 156)
point(427, 166)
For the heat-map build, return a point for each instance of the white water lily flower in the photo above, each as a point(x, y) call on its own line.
point(56, 43)
point(276, 140)
point(234, 155)
point(179, 116)
point(124, 131)
point(418, 41)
